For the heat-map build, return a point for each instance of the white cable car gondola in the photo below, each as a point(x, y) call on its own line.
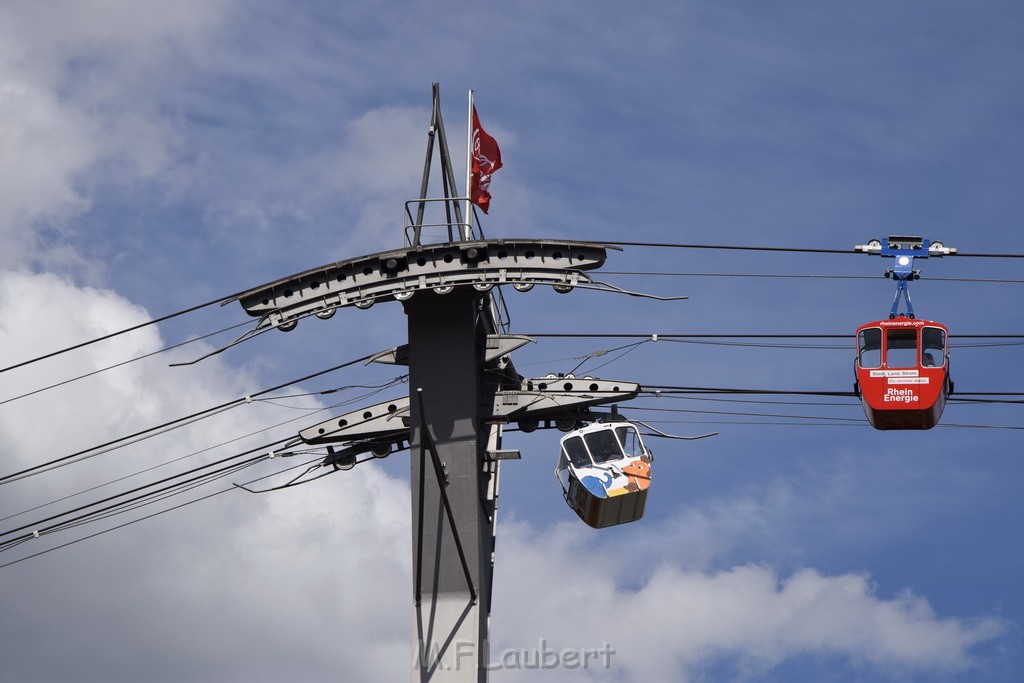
point(605, 471)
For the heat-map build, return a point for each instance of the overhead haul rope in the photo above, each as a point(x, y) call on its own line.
point(172, 424)
point(117, 365)
point(795, 250)
point(802, 277)
point(105, 337)
point(151, 468)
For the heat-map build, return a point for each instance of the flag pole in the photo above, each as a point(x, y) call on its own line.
point(469, 170)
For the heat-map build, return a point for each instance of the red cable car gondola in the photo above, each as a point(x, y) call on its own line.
point(902, 365)
point(902, 369)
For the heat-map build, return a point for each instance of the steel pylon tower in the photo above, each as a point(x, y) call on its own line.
point(463, 388)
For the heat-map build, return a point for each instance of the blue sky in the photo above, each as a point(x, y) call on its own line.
point(156, 157)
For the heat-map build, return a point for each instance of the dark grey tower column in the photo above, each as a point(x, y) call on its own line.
point(452, 512)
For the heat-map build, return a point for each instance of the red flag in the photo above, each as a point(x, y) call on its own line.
point(486, 160)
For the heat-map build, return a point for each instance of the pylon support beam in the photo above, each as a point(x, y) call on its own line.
point(380, 421)
point(546, 397)
point(403, 273)
point(540, 398)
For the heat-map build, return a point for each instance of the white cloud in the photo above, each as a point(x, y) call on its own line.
point(378, 167)
point(298, 562)
point(381, 150)
point(72, 75)
point(677, 622)
point(42, 147)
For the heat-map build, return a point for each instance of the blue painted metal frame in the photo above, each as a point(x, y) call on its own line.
point(903, 272)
